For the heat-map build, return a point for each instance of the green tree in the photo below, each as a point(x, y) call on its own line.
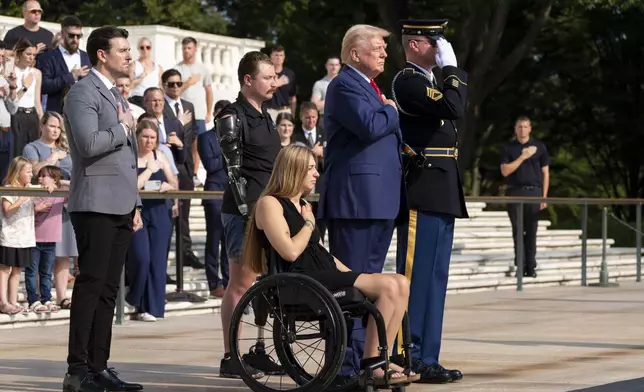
point(184, 14)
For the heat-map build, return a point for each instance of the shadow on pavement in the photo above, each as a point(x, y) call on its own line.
point(38, 375)
point(634, 385)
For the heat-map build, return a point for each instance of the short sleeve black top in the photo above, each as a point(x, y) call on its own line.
point(529, 173)
point(314, 257)
point(258, 152)
point(40, 36)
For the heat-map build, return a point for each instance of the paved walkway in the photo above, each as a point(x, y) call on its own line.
point(562, 339)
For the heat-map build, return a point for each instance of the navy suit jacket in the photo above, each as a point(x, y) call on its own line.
point(172, 124)
point(363, 166)
point(56, 78)
point(189, 131)
point(213, 162)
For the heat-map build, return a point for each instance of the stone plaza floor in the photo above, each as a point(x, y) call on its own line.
point(542, 339)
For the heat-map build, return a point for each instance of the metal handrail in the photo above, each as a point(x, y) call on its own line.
point(584, 202)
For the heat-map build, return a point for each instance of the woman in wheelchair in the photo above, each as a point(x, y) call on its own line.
point(283, 222)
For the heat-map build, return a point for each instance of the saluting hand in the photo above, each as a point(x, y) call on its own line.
point(445, 54)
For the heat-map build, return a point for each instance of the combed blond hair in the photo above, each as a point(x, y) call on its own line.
point(359, 35)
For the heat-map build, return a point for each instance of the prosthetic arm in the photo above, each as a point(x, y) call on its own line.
point(229, 134)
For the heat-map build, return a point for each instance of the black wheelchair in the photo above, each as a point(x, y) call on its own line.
point(286, 303)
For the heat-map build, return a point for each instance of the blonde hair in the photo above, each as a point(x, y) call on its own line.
point(359, 35)
point(16, 166)
point(61, 142)
point(290, 169)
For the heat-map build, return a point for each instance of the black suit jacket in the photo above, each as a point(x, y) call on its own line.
point(320, 137)
point(189, 131)
point(56, 78)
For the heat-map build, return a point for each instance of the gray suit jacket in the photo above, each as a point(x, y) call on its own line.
point(104, 159)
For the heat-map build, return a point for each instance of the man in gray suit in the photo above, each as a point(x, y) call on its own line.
point(103, 205)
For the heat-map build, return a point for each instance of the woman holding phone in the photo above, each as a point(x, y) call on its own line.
point(147, 257)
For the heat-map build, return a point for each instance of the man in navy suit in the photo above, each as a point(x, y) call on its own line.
point(216, 180)
point(363, 167)
point(65, 65)
point(184, 111)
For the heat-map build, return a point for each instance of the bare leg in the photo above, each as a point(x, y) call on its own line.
point(14, 282)
point(4, 284)
point(388, 294)
point(61, 277)
point(241, 278)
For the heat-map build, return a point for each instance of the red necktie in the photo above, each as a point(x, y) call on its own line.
point(375, 87)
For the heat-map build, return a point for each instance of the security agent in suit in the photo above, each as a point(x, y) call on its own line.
point(175, 108)
point(103, 203)
point(216, 180)
point(434, 192)
point(311, 134)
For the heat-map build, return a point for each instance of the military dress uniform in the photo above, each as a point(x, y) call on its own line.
point(434, 196)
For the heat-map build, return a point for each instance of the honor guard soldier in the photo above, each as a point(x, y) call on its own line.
point(428, 113)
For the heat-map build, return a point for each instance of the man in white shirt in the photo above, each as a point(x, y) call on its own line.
point(197, 85)
point(64, 66)
point(319, 88)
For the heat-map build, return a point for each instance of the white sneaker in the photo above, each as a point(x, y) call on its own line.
point(147, 317)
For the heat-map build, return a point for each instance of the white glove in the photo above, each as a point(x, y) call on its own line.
point(445, 55)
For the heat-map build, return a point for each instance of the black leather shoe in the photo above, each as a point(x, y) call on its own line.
point(191, 260)
point(82, 382)
point(108, 379)
point(431, 374)
point(454, 374)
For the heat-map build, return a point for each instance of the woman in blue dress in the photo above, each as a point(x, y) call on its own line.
point(147, 257)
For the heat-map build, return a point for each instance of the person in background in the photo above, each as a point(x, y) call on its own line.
point(52, 149)
point(8, 107)
point(17, 235)
point(311, 133)
point(147, 262)
point(24, 124)
point(124, 84)
point(285, 125)
point(31, 29)
point(144, 73)
point(65, 65)
point(216, 180)
point(284, 98)
point(318, 95)
point(197, 84)
point(526, 164)
point(49, 224)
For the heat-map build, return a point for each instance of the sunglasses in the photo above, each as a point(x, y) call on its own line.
point(145, 47)
point(175, 84)
point(72, 36)
point(35, 12)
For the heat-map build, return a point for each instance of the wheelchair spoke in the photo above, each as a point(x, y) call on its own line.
point(310, 356)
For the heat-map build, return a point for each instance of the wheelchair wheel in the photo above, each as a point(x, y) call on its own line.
point(282, 304)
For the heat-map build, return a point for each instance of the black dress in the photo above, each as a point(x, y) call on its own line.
point(315, 261)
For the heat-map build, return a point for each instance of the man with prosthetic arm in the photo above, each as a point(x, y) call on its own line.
point(428, 113)
point(249, 143)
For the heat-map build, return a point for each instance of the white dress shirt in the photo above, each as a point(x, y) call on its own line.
point(71, 59)
point(173, 104)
